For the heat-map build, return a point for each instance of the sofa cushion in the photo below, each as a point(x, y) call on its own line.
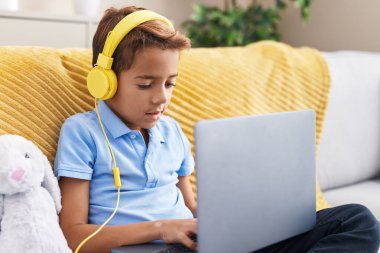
point(365, 193)
point(40, 87)
point(350, 143)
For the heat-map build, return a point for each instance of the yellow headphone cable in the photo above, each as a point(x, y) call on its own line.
point(116, 174)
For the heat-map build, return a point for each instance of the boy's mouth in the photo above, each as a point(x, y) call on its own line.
point(156, 111)
point(154, 115)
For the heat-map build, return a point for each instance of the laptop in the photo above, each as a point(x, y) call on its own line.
point(255, 181)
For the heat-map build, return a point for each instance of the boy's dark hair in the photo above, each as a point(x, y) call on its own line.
point(151, 33)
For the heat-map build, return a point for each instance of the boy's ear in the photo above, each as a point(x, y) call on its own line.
point(50, 183)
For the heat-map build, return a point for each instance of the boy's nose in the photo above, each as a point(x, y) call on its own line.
point(161, 97)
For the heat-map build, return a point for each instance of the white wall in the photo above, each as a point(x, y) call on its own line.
point(176, 10)
point(334, 24)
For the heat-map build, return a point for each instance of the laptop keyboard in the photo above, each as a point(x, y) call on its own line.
point(177, 248)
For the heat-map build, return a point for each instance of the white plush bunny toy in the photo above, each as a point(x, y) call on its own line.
point(30, 200)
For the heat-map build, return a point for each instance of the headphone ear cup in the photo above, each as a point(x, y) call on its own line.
point(102, 83)
point(113, 84)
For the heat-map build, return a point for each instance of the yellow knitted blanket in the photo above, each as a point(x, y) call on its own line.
point(41, 87)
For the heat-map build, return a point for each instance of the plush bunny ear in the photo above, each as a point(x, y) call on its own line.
point(50, 182)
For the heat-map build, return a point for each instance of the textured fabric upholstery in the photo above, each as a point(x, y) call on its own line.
point(40, 87)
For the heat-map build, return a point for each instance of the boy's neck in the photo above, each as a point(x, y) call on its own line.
point(145, 134)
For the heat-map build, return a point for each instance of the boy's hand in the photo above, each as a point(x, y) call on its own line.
point(179, 231)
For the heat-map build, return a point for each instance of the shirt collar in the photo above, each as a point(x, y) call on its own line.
point(154, 133)
point(118, 128)
point(111, 121)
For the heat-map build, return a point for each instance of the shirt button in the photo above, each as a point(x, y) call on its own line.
point(133, 136)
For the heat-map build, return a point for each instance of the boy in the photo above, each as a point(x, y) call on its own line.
point(152, 152)
point(155, 160)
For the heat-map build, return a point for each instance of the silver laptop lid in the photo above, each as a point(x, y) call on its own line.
point(255, 180)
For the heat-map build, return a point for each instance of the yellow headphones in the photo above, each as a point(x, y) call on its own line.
point(101, 80)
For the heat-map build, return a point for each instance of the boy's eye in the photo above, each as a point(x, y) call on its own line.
point(143, 86)
point(169, 85)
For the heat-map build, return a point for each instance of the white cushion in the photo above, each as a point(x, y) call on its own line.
point(365, 193)
point(350, 142)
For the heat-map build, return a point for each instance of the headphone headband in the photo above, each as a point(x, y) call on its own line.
point(122, 29)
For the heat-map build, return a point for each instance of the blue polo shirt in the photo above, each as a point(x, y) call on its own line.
point(148, 174)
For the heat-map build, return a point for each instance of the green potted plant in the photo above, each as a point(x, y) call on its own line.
point(234, 25)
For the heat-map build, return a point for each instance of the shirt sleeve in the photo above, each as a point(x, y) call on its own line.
point(76, 151)
point(188, 163)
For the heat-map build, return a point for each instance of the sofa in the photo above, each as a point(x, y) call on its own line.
point(40, 87)
point(349, 156)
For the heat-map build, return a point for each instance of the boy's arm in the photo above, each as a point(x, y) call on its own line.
point(184, 185)
point(74, 218)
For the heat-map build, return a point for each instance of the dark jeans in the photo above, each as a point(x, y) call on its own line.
point(347, 228)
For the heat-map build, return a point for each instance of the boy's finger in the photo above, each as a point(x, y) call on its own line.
point(189, 243)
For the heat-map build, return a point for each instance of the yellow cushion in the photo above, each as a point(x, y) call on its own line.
point(40, 87)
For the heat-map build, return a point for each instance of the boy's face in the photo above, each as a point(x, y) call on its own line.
point(145, 89)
